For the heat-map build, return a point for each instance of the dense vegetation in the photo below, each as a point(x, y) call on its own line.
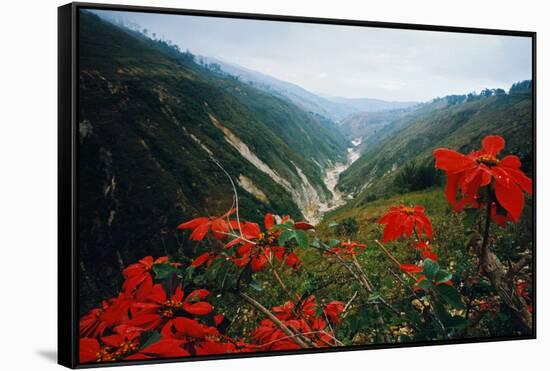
point(370, 125)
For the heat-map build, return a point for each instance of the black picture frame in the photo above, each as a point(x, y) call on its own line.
point(68, 173)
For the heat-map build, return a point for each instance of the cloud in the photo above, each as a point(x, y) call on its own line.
point(351, 61)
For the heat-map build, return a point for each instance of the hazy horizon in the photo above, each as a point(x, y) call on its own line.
point(349, 61)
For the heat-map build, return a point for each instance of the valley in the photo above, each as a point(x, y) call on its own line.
point(331, 178)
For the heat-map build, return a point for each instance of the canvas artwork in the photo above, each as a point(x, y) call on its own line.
point(270, 186)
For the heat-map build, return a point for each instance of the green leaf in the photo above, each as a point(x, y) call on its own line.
point(256, 286)
point(388, 282)
point(442, 276)
point(425, 284)
point(189, 273)
point(333, 224)
point(285, 236)
point(301, 239)
point(163, 271)
point(430, 269)
point(333, 242)
point(149, 337)
point(456, 322)
point(450, 295)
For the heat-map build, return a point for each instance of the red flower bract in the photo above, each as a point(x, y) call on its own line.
point(334, 310)
point(410, 268)
point(200, 226)
point(156, 309)
point(136, 274)
point(302, 318)
point(426, 250)
point(256, 247)
point(346, 249)
point(467, 173)
point(114, 331)
point(402, 221)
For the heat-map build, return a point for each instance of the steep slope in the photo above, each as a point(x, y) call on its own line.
point(407, 144)
point(154, 126)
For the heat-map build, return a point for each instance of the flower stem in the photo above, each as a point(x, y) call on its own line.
point(485, 244)
point(392, 258)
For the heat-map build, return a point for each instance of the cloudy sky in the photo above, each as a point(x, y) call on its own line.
point(348, 61)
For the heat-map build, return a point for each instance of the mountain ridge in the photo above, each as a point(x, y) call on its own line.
point(334, 108)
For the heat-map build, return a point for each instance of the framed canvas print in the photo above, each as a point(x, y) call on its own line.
point(235, 185)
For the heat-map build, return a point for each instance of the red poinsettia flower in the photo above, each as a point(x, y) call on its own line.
point(118, 311)
point(219, 226)
point(269, 337)
point(123, 342)
point(90, 350)
point(334, 310)
point(302, 318)
point(91, 324)
point(198, 338)
point(251, 231)
point(137, 273)
point(257, 256)
point(403, 221)
point(467, 173)
point(156, 309)
point(257, 247)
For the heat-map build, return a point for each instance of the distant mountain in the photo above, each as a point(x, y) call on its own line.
point(334, 108)
point(402, 150)
point(154, 126)
point(370, 105)
point(303, 98)
point(367, 125)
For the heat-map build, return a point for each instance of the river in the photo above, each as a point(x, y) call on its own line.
point(332, 174)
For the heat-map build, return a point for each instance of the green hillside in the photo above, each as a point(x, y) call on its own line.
point(151, 120)
point(403, 149)
point(369, 125)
